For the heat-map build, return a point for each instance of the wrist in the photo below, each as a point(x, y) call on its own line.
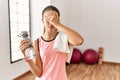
point(26, 59)
point(57, 25)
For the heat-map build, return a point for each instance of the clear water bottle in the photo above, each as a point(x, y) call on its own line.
point(29, 52)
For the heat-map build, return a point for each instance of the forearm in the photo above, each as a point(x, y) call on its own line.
point(36, 70)
point(74, 37)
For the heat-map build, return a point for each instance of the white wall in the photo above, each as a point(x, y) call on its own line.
point(100, 26)
point(97, 20)
point(36, 17)
point(8, 71)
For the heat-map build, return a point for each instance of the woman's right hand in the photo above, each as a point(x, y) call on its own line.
point(24, 44)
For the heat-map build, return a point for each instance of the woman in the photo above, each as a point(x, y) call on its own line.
point(48, 63)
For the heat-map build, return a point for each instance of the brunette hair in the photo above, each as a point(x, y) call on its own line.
point(52, 8)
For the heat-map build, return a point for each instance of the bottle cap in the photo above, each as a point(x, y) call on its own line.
point(23, 34)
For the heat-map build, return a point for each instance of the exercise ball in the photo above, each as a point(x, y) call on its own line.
point(76, 56)
point(90, 56)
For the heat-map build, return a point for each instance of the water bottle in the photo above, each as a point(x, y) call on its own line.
point(29, 52)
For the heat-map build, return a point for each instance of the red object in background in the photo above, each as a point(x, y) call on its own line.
point(100, 53)
point(76, 56)
point(90, 56)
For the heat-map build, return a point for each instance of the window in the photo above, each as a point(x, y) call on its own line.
point(19, 20)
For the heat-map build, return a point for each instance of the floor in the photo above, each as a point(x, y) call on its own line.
point(81, 71)
point(106, 71)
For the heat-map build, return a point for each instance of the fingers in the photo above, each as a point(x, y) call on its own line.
point(24, 44)
point(49, 18)
point(51, 14)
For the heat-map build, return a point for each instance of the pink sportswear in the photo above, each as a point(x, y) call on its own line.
point(54, 66)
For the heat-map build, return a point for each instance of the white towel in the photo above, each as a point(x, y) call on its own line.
point(61, 44)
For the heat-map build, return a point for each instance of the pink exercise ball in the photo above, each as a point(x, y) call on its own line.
point(76, 56)
point(90, 56)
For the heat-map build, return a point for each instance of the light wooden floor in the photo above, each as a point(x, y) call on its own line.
point(106, 71)
point(82, 71)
